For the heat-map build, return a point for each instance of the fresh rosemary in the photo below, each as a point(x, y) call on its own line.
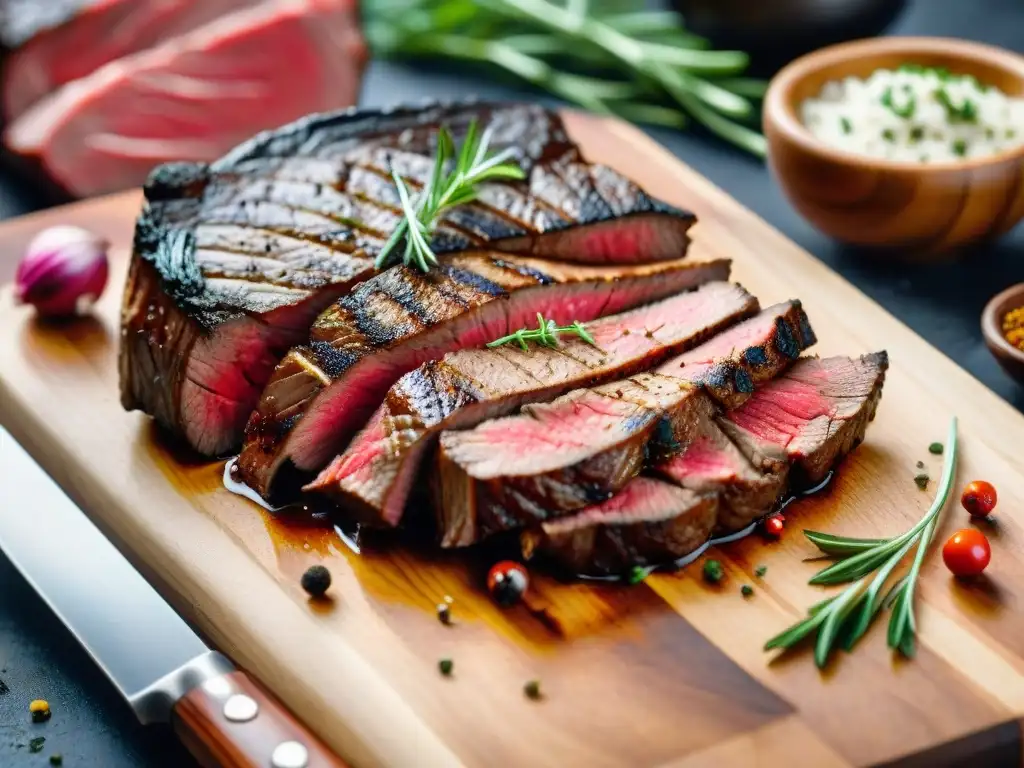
point(445, 190)
point(843, 619)
point(546, 333)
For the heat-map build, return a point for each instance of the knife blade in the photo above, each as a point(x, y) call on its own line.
point(154, 659)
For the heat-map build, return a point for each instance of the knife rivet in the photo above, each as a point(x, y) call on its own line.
point(290, 754)
point(241, 708)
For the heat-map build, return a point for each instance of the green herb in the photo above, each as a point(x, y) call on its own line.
point(844, 618)
point(967, 112)
point(921, 480)
point(546, 334)
point(446, 666)
point(845, 124)
point(747, 590)
point(917, 133)
point(713, 572)
point(760, 571)
point(906, 110)
point(889, 135)
point(605, 56)
point(36, 744)
point(532, 689)
point(935, 448)
point(959, 147)
point(637, 574)
point(443, 191)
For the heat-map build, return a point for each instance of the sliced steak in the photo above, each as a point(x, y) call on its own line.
point(649, 523)
point(712, 464)
point(374, 476)
point(234, 260)
point(558, 457)
point(194, 96)
point(41, 34)
point(322, 394)
point(809, 417)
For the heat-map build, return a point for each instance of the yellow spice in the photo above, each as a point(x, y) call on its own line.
point(1013, 327)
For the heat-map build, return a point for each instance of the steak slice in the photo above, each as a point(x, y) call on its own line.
point(554, 458)
point(649, 523)
point(712, 464)
point(809, 417)
point(97, 33)
point(374, 476)
point(195, 96)
point(234, 260)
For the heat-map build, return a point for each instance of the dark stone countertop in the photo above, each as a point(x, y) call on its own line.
point(91, 727)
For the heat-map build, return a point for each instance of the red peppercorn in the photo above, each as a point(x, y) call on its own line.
point(774, 525)
point(979, 498)
point(507, 582)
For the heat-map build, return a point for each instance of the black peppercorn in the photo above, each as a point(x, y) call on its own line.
point(532, 689)
point(316, 580)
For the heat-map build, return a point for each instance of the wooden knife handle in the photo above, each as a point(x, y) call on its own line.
point(231, 722)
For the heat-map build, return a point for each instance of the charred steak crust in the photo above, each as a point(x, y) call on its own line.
point(244, 252)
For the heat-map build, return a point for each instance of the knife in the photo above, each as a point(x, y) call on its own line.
point(159, 665)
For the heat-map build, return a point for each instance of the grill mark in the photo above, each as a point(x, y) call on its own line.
point(339, 246)
point(525, 271)
point(477, 282)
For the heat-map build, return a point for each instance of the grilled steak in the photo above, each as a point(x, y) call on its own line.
point(373, 477)
point(712, 464)
point(41, 34)
point(234, 260)
point(650, 522)
point(557, 457)
point(811, 416)
point(195, 96)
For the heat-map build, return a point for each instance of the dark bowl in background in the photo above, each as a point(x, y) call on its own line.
point(774, 32)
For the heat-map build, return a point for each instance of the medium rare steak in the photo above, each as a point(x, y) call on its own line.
point(811, 416)
point(558, 457)
point(234, 260)
point(41, 34)
point(374, 476)
point(649, 523)
point(195, 96)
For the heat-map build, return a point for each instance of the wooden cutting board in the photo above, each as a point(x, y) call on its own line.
point(668, 673)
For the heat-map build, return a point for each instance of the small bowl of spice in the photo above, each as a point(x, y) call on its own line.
point(1002, 323)
point(910, 144)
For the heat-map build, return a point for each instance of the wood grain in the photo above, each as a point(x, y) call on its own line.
point(668, 673)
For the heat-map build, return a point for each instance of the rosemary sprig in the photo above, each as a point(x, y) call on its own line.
point(546, 334)
point(843, 619)
point(443, 191)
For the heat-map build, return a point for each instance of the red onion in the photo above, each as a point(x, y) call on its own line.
point(63, 271)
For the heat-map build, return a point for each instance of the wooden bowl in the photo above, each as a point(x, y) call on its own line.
point(1008, 356)
point(883, 203)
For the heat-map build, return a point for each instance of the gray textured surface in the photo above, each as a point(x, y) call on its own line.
point(91, 728)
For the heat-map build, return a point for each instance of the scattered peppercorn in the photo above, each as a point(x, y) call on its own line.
point(773, 526)
point(713, 571)
point(760, 571)
point(444, 613)
point(1013, 327)
point(935, 448)
point(747, 590)
point(57, 759)
point(36, 744)
point(316, 580)
point(921, 480)
point(532, 689)
point(637, 574)
point(507, 582)
point(40, 710)
point(920, 465)
point(445, 665)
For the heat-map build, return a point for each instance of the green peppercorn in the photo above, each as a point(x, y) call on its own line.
point(747, 590)
point(936, 448)
point(713, 572)
point(532, 689)
point(445, 665)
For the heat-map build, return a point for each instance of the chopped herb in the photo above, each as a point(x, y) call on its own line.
point(36, 744)
point(546, 334)
point(921, 480)
point(845, 124)
point(532, 689)
point(747, 590)
point(57, 759)
point(760, 571)
point(637, 574)
point(889, 135)
point(316, 580)
point(959, 147)
point(906, 110)
point(963, 113)
point(935, 448)
point(445, 665)
point(1011, 133)
point(444, 613)
point(713, 572)
point(989, 133)
point(40, 710)
point(917, 133)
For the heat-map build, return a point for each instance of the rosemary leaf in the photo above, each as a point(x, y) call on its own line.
point(831, 544)
point(546, 334)
point(796, 633)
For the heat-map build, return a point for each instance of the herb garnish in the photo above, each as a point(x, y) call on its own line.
point(546, 334)
point(713, 571)
point(36, 744)
point(446, 666)
point(760, 571)
point(967, 112)
point(444, 191)
point(935, 448)
point(746, 590)
point(845, 124)
point(906, 110)
point(843, 619)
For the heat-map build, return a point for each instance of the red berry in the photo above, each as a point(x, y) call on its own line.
point(774, 526)
point(967, 552)
point(979, 498)
point(507, 582)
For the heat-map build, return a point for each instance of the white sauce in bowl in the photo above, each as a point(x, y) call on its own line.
point(915, 114)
